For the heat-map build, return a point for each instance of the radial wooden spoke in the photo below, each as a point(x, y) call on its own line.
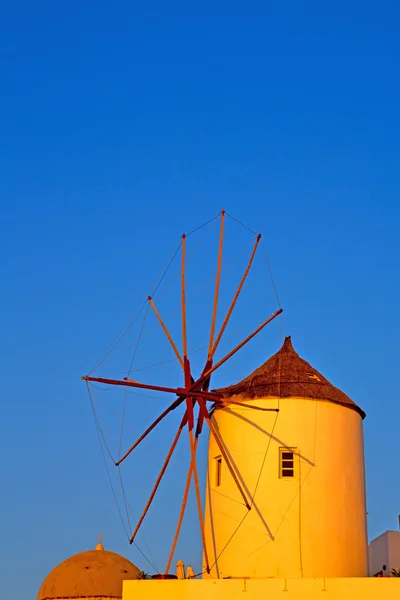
point(212, 396)
point(154, 424)
point(131, 383)
point(205, 385)
point(232, 352)
point(217, 283)
point(198, 499)
point(159, 478)
point(190, 412)
point(171, 341)
point(181, 514)
point(200, 421)
point(221, 447)
point(183, 293)
point(236, 296)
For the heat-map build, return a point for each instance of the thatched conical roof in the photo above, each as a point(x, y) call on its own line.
point(287, 375)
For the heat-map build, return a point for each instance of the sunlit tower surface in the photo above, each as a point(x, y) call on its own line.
point(302, 469)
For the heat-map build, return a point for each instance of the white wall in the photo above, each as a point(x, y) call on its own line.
point(384, 550)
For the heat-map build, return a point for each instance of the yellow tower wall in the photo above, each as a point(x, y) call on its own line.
point(311, 525)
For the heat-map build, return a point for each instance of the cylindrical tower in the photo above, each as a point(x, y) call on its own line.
point(302, 469)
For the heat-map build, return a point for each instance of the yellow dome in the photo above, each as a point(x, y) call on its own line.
point(96, 573)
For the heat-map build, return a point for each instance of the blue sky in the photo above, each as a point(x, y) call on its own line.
point(123, 126)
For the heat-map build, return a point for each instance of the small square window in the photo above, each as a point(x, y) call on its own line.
point(287, 472)
point(218, 470)
point(286, 462)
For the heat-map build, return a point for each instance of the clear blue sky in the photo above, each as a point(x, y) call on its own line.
point(123, 125)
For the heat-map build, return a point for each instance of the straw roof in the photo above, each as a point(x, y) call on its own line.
point(287, 375)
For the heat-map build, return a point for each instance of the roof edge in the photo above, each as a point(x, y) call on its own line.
point(354, 406)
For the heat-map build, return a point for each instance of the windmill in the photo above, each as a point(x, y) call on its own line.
point(193, 399)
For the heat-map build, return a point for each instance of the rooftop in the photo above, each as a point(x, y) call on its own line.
point(92, 574)
point(286, 375)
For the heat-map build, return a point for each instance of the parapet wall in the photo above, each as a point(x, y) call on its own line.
point(361, 588)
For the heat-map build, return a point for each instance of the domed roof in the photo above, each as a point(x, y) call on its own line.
point(95, 573)
point(287, 375)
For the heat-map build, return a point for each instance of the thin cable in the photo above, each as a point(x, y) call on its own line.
point(228, 497)
point(188, 259)
point(132, 429)
point(127, 505)
point(129, 371)
point(111, 347)
point(167, 268)
point(113, 387)
point(105, 462)
point(104, 389)
point(301, 483)
point(145, 497)
point(145, 557)
point(125, 500)
point(176, 310)
point(143, 539)
point(270, 273)
point(152, 366)
point(104, 439)
point(143, 494)
point(114, 344)
point(174, 359)
point(240, 223)
point(284, 516)
point(190, 255)
point(122, 426)
point(142, 394)
point(204, 224)
point(252, 498)
point(264, 459)
point(100, 436)
point(139, 338)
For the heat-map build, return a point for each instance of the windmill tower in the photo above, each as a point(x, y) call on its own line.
point(302, 470)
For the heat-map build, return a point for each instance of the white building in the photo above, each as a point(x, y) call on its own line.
point(384, 553)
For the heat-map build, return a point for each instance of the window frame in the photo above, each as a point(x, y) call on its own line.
point(217, 470)
point(284, 467)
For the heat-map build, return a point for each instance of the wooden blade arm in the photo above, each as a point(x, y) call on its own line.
point(183, 297)
point(130, 383)
point(217, 283)
point(232, 352)
point(211, 396)
point(193, 448)
point(220, 445)
point(167, 333)
point(181, 515)
point(160, 476)
point(150, 428)
point(236, 296)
